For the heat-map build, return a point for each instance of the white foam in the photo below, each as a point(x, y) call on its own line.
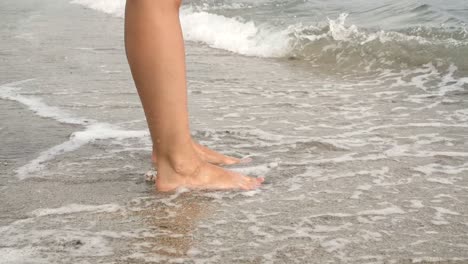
point(442, 210)
point(251, 38)
point(339, 31)
point(77, 208)
point(335, 244)
point(416, 204)
point(447, 181)
point(439, 216)
point(16, 255)
point(51, 248)
point(9, 91)
point(93, 131)
point(23, 242)
point(98, 131)
point(341, 215)
point(461, 115)
point(433, 168)
point(365, 187)
point(326, 228)
point(356, 194)
point(260, 170)
point(384, 211)
point(232, 115)
point(370, 236)
point(114, 7)
point(217, 31)
point(234, 35)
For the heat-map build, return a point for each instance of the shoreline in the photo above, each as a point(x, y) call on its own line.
point(359, 170)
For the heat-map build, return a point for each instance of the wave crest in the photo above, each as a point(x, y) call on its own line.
point(334, 43)
point(235, 35)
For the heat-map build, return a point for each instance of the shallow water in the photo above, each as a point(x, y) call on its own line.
point(347, 36)
point(362, 166)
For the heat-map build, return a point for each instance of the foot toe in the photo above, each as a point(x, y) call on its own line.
point(245, 183)
point(231, 161)
point(254, 183)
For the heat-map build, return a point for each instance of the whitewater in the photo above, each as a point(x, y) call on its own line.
point(294, 30)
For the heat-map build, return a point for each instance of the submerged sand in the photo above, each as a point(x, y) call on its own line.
point(369, 169)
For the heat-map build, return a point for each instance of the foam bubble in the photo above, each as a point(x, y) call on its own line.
point(93, 131)
point(24, 242)
point(261, 169)
point(384, 211)
point(235, 35)
point(17, 255)
point(434, 168)
point(335, 244)
point(439, 215)
point(347, 45)
point(77, 208)
point(114, 7)
point(416, 204)
point(98, 131)
point(326, 228)
point(9, 91)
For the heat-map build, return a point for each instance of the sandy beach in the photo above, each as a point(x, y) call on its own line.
point(359, 169)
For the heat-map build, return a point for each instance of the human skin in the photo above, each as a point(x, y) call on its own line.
point(156, 55)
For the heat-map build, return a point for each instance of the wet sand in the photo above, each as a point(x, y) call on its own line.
point(359, 170)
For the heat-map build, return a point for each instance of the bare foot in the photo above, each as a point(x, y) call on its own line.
point(217, 158)
point(211, 156)
point(197, 174)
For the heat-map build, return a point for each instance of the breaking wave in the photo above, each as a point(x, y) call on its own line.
point(333, 43)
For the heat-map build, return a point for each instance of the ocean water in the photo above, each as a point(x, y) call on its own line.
point(356, 35)
point(356, 112)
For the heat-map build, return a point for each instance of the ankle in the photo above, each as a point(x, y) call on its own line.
point(154, 158)
point(183, 164)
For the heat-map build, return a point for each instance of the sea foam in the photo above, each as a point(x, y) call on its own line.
point(114, 7)
point(93, 131)
point(98, 131)
point(77, 208)
point(235, 35)
point(231, 34)
point(10, 91)
point(330, 41)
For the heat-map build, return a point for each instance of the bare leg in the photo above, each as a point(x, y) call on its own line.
point(155, 51)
